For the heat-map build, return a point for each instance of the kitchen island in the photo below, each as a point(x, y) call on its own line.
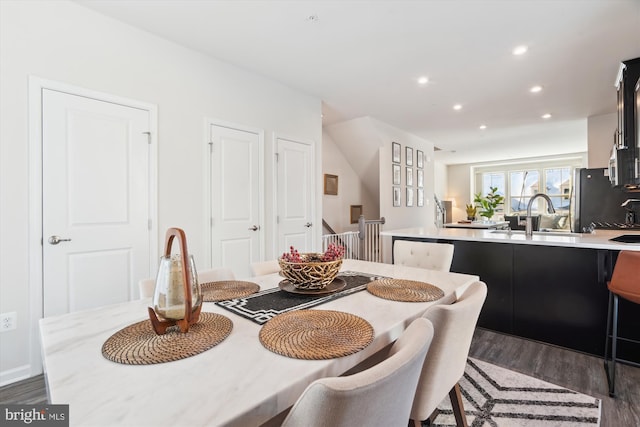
point(549, 287)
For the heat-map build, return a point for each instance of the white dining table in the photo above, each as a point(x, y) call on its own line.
point(236, 383)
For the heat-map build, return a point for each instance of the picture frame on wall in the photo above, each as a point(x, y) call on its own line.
point(330, 184)
point(409, 156)
point(396, 174)
point(420, 159)
point(409, 177)
point(395, 152)
point(396, 196)
point(420, 178)
point(409, 196)
point(354, 213)
point(420, 197)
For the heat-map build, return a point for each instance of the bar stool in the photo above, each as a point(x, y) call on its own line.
point(625, 282)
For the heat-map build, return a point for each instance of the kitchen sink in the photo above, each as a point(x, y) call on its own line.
point(539, 233)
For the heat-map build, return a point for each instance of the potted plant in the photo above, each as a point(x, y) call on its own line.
point(487, 205)
point(471, 212)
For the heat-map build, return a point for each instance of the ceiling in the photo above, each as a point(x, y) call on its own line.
point(363, 58)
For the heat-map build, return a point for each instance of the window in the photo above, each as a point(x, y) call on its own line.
point(494, 179)
point(523, 185)
point(558, 187)
point(519, 182)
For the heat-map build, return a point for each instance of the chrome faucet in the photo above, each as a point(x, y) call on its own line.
point(528, 228)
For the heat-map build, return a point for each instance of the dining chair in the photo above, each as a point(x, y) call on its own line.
point(432, 256)
point(625, 283)
point(265, 267)
point(378, 396)
point(146, 287)
point(447, 357)
point(215, 275)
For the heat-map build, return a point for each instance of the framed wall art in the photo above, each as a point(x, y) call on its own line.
point(409, 177)
point(420, 178)
point(420, 197)
point(409, 196)
point(330, 184)
point(420, 159)
point(395, 152)
point(396, 174)
point(354, 212)
point(396, 196)
point(409, 156)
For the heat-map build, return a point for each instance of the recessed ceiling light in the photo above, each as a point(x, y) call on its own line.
point(546, 116)
point(457, 107)
point(520, 50)
point(423, 80)
point(535, 89)
point(483, 127)
point(313, 18)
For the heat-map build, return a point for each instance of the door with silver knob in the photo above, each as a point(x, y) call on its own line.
point(295, 195)
point(95, 201)
point(54, 240)
point(235, 198)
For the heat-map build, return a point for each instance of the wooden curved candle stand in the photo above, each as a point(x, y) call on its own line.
point(190, 316)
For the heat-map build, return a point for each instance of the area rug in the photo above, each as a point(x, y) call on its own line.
point(498, 397)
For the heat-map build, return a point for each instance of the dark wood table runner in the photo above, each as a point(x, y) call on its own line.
point(265, 305)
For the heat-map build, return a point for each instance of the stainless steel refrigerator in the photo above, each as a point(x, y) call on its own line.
point(595, 201)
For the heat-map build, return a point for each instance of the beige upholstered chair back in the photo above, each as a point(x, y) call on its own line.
point(378, 396)
point(215, 274)
point(265, 267)
point(447, 357)
point(146, 287)
point(432, 256)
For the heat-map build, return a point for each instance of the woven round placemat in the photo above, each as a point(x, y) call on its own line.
point(404, 290)
point(138, 344)
point(316, 334)
point(227, 289)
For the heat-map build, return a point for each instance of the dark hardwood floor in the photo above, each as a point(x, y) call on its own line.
point(576, 371)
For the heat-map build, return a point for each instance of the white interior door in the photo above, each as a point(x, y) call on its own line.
point(96, 193)
point(236, 228)
point(295, 196)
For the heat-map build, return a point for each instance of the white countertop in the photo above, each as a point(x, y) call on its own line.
point(238, 382)
point(478, 224)
point(599, 239)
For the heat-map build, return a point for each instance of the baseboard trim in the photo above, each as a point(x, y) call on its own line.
point(14, 375)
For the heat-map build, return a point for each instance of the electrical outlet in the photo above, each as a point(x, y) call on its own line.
point(8, 321)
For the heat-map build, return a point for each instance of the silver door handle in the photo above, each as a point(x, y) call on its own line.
point(308, 224)
point(54, 240)
point(254, 228)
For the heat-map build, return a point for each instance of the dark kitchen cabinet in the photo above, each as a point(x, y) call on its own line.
point(557, 297)
point(553, 294)
point(492, 262)
point(625, 155)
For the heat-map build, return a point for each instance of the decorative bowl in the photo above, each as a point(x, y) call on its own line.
point(311, 273)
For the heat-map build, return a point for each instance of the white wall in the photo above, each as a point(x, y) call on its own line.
point(65, 42)
point(403, 216)
point(600, 130)
point(351, 191)
point(359, 141)
point(459, 189)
